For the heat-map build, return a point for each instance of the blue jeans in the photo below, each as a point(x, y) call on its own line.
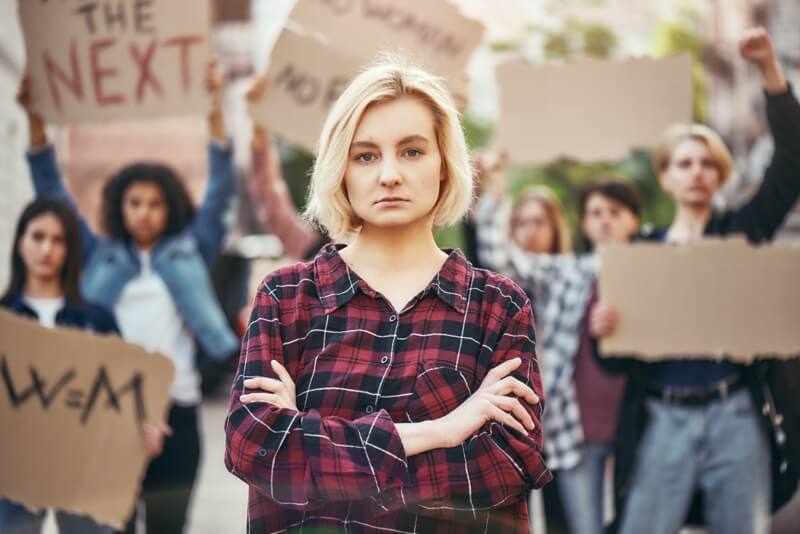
point(720, 449)
point(581, 489)
point(16, 519)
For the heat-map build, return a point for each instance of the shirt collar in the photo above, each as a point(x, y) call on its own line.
point(337, 284)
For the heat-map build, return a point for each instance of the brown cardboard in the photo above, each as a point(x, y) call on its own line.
point(100, 61)
point(723, 298)
point(590, 109)
point(327, 42)
point(75, 443)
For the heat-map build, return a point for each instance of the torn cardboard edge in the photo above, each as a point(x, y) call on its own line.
point(77, 444)
point(714, 299)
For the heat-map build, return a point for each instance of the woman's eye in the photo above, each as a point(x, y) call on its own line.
point(366, 157)
point(413, 153)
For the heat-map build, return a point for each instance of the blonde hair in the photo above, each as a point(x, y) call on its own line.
point(562, 242)
point(388, 79)
point(677, 133)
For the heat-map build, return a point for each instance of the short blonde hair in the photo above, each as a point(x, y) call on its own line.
point(388, 79)
point(676, 133)
point(562, 242)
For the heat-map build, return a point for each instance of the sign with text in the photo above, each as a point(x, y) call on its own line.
point(72, 405)
point(327, 41)
point(715, 298)
point(590, 109)
point(100, 60)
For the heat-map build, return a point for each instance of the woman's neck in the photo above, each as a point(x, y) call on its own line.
point(388, 250)
point(689, 223)
point(43, 288)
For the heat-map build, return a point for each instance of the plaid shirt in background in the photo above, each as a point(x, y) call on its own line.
point(563, 285)
point(359, 368)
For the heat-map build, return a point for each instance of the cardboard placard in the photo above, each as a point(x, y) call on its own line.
point(72, 406)
point(326, 42)
point(718, 298)
point(99, 60)
point(590, 109)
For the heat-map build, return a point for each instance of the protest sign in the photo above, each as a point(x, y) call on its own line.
point(590, 109)
point(326, 42)
point(99, 60)
point(72, 405)
point(718, 298)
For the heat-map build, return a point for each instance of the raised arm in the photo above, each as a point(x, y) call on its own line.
point(46, 175)
point(275, 209)
point(780, 188)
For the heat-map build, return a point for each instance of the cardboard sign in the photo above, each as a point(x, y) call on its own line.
point(72, 406)
point(100, 60)
point(305, 79)
point(590, 110)
point(711, 299)
point(327, 41)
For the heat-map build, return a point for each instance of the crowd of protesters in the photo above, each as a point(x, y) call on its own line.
point(385, 383)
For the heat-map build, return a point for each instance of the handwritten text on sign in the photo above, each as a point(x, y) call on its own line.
point(97, 60)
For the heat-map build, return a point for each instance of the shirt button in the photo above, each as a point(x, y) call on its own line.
point(392, 318)
point(384, 359)
point(370, 409)
point(262, 452)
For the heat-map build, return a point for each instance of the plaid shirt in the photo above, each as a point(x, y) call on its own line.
point(562, 284)
point(360, 367)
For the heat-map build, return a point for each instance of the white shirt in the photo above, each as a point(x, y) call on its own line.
point(147, 316)
point(46, 309)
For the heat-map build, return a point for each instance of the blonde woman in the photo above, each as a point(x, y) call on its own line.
point(387, 385)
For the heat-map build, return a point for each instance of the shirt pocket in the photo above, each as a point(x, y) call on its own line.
point(440, 387)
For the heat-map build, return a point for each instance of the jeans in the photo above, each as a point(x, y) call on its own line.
point(16, 519)
point(581, 489)
point(718, 448)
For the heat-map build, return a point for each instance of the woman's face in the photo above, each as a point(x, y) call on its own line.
point(608, 221)
point(532, 230)
point(692, 176)
point(144, 213)
point(43, 247)
point(394, 168)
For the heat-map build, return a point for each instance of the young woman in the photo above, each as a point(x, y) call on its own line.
point(387, 385)
point(45, 266)
point(152, 270)
point(663, 459)
point(583, 400)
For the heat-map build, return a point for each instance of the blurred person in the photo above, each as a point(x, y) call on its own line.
point(274, 207)
point(45, 267)
point(694, 425)
point(387, 385)
point(152, 270)
point(583, 400)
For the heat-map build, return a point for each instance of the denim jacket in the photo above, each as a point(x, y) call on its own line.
point(181, 260)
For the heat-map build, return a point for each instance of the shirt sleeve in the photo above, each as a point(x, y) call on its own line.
point(300, 459)
point(495, 467)
point(209, 224)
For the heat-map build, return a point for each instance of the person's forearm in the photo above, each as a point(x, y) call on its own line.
point(772, 76)
point(36, 130)
point(216, 125)
point(419, 437)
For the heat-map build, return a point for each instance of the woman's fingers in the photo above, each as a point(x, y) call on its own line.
point(283, 374)
point(510, 385)
point(515, 408)
point(265, 384)
point(271, 398)
point(501, 371)
point(507, 419)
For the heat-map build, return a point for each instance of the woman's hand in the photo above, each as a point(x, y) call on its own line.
point(36, 125)
point(280, 393)
point(154, 438)
point(756, 47)
point(499, 398)
point(603, 320)
point(492, 167)
point(215, 85)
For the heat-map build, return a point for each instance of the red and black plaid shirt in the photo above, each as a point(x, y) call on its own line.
point(360, 367)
